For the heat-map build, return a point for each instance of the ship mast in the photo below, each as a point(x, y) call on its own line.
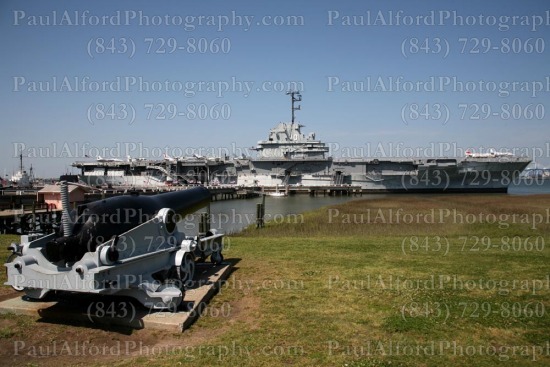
point(295, 96)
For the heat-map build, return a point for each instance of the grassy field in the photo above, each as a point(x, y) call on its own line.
point(461, 280)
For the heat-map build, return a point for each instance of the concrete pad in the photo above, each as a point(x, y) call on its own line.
point(124, 311)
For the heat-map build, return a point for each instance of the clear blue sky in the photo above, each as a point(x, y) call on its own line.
point(312, 44)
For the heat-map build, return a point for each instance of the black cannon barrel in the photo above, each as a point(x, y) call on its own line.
point(182, 202)
point(100, 220)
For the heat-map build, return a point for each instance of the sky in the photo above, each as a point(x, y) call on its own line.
point(378, 78)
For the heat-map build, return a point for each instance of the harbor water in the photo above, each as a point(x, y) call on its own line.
point(530, 186)
point(231, 216)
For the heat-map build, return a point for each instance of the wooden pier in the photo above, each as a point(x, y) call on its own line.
point(218, 192)
point(334, 190)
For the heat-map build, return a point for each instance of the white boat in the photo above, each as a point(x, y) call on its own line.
point(21, 178)
point(277, 193)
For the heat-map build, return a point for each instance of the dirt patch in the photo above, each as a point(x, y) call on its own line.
point(7, 293)
point(246, 310)
point(25, 340)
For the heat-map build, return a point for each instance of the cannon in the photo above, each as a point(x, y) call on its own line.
point(127, 245)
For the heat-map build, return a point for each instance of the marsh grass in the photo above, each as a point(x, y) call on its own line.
point(372, 281)
point(419, 215)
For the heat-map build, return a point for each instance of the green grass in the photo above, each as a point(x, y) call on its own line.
point(334, 291)
point(5, 241)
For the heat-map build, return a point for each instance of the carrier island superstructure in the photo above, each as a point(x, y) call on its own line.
point(290, 158)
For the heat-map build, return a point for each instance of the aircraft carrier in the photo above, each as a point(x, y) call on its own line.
point(290, 158)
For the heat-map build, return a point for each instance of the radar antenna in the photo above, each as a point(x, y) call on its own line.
point(295, 96)
point(21, 160)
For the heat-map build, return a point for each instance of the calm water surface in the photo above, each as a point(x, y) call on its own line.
point(234, 215)
point(231, 216)
point(530, 187)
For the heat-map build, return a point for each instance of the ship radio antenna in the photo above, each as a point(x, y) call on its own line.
point(295, 96)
